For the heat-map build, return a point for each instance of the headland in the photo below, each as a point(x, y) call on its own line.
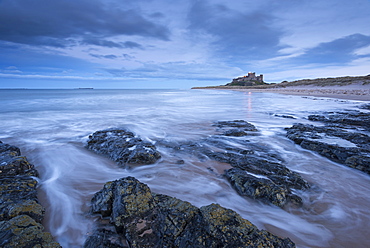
point(351, 88)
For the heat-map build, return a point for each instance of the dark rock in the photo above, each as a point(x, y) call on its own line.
point(13, 164)
point(256, 187)
point(20, 212)
point(236, 128)
point(365, 106)
point(235, 132)
point(9, 149)
point(146, 219)
point(267, 167)
point(285, 116)
point(350, 148)
point(226, 228)
point(237, 123)
point(11, 209)
point(276, 172)
point(123, 147)
point(23, 231)
point(349, 118)
point(19, 196)
point(105, 238)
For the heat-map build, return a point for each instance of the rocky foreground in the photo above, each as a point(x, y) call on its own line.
point(20, 212)
point(140, 218)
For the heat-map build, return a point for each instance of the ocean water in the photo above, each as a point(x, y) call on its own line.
point(52, 126)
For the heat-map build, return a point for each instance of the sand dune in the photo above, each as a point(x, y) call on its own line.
point(351, 92)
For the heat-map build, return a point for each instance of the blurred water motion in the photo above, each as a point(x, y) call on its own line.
point(52, 126)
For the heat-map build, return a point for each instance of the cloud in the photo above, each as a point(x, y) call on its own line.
point(11, 70)
point(238, 33)
point(177, 71)
point(127, 56)
point(101, 42)
point(338, 51)
point(59, 23)
point(109, 56)
point(131, 44)
point(111, 44)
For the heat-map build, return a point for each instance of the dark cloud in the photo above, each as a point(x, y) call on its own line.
point(101, 42)
point(239, 33)
point(55, 23)
point(131, 44)
point(127, 56)
point(157, 15)
point(38, 62)
point(109, 56)
point(111, 44)
point(335, 52)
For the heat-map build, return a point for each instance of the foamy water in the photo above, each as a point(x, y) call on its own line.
point(51, 128)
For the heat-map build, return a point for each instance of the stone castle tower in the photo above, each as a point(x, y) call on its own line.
point(248, 80)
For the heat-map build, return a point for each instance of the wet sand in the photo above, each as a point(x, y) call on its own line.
point(350, 92)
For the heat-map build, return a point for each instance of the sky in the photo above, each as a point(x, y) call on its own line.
point(179, 44)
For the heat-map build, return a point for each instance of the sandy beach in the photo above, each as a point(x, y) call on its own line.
point(350, 92)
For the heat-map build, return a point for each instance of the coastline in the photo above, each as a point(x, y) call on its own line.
point(357, 91)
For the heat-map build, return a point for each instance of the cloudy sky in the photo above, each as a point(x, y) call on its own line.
point(179, 44)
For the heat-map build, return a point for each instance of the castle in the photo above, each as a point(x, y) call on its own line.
point(249, 79)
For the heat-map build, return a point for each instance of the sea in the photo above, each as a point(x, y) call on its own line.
point(51, 127)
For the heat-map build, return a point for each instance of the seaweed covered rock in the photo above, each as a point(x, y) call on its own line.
point(19, 196)
point(123, 147)
point(17, 185)
point(350, 148)
point(144, 219)
point(20, 211)
point(23, 231)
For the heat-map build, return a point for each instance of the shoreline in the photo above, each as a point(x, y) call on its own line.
point(357, 92)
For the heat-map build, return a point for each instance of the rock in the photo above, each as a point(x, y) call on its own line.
point(226, 228)
point(146, 219)
point(365, 106)
point(236, 128)
point(274, 171)
point(285, 116)
point(123, 147)
point(256, 187)
point(6, 149)
point(350, 148)
point(19, 196)
point(31, 208)
point(13, 164)
point(349, 118)
point(105, 237)
point(237, 123)
point(23, 231)
point(20, 212)
point(259, 165)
